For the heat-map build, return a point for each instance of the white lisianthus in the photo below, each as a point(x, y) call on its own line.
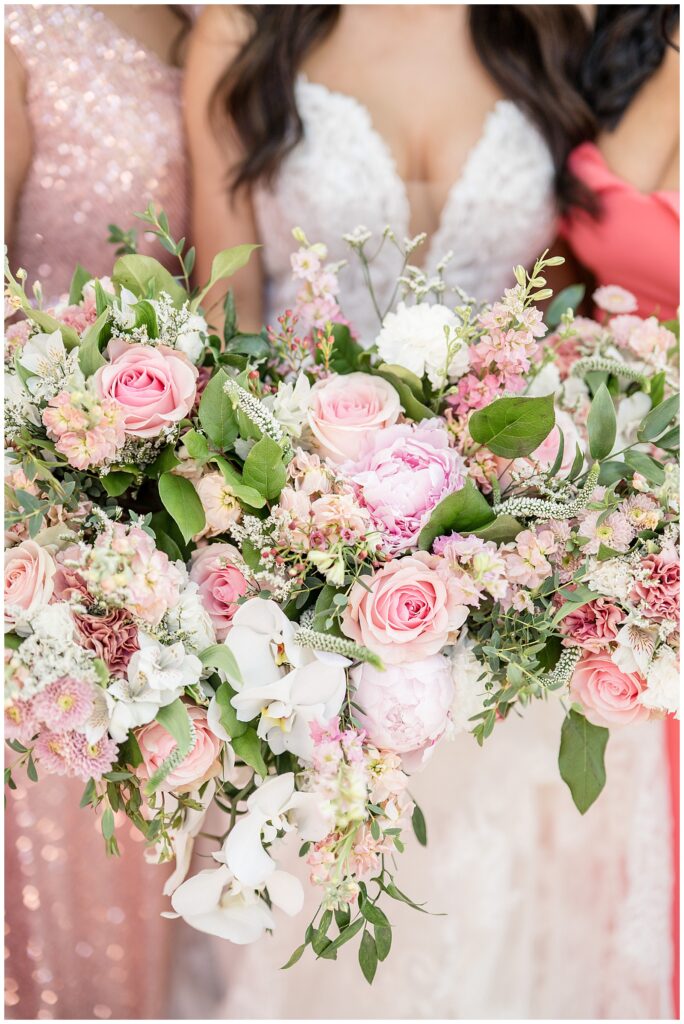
point(290, 405)
point(424, 339)
point(663, 685)
point(469, 676)
point(190, 617)
point(213, 901)
point(191, 338)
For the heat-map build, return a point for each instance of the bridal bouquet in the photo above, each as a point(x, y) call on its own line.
point(270, 572)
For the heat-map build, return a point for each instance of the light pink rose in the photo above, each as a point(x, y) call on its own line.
point(405, 709)
point(405, 612)
point(593, 626)
point(155, 386)
point(217, 570)
point(608, 696)
point(29, 583)
point(658, 594)
point(403, 472)
point(202, 763)
point(342, 411)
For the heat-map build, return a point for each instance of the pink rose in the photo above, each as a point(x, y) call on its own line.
point(658, 594)
point(405, 709)
point(343, 410)
point(405, 612)
point(202, 763)
point(217, 570)
point(29, 583)
point(607, 695)
point(594, 625)
point(155, 386)
point(403, 472)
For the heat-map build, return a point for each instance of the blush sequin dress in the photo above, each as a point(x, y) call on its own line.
point(84, 938)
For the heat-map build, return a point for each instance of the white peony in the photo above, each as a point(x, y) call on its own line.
point(190, 617)
point(469, 676)
point(663, 683)
point(415, 337)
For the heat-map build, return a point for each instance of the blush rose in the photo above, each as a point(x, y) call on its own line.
point(29, 583)
point(202, 763)
point(607, 696)
point(217, 569)
point(342, 410)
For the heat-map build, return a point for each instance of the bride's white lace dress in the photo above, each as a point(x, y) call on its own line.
point(546, 913)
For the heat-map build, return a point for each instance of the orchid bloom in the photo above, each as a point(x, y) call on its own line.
point(274, 807)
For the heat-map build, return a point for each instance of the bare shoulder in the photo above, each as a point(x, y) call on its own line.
point(223, 25)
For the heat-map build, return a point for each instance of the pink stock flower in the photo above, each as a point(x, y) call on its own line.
point(154, 386)
point(405, 708)
point(218, 570)
point(474, 392)
point(593, 626)
point(29, 582)
point(526, 559)
point(472, 567)
point(658, 594)
point(65, 704)
point(607, 696)
point(403, 473)
point(614, 299)
point(113, 637)
point(344, 409)
point(88, 431)
point(202, 763)
point(647, 339)
point(405, 612)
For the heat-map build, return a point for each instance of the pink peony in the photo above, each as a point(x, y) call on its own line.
point(218, 571)
point(202, 763)
point(403, 472)
point(155, 387)
point(608, 696)
point(658, 594)
point(594, 625)
point(113, 637)
point(405, 708)
point(343, 410)
point(29, 583)
point(405, 612)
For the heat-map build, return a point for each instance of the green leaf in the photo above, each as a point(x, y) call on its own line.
point(164, 463)
point(648, 467)
point(383, 941)
point(297, 955)
point(253, 345)
point(90, 358)
point(412, 406)
point(108, 825)
point(228, 715)
point(373, 914)
point(116, 483)
point(181, 501)
point(602, 424)
point(196, 446)
point(49, 325)
point(145, 277)
point(229, 317)
point(670, 440)
point(659, 418)
point(175, 719)
point(248, 748)
point(368, 957)
point(612, 471)
point(346, 352)
point(462, 512)
point(249, 495)
point(216, 413)
point(513, 427)
point(419, 825)
point(656, 388)
point(581, 759)
point(264, 468)
point(569, 298)
point(501, 530)
point(80, 278)
point(221, 657)
point(88, 793)
point(12, 641)
point(31, 769)
point(225, 264)
point(344, 936)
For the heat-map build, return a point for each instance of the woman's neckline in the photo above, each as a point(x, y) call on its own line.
point(128, 37)
point(599, 156)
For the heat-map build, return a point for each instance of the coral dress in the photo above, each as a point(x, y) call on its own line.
point(84, 937)
point(634, 243)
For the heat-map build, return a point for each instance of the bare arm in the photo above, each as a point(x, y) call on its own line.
point(219, 220)
point(18, 144)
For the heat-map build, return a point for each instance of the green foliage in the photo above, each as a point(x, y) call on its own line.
point(228, 716)
point(602, 424)
point(80, 278)
point(264, 469)
point(146, 277)
point(249, 495)
point(216, 413)
point(581, 759)
point(346, 352)
point(569, 298)
point(116, 483)
point(463, 512)
point(181, 501)
point(248, 748)
point(368, 957)
point(648, 467)
point(419, 825)
point(224, 265)
point(175, 719)
point(501, 530)
point(90, 358)
point(221, 657)
point(513, 427)
point(409, 389)
point(659, 418)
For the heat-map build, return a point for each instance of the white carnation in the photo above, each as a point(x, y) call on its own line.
point(290, 405)
point(422, 339)
point(662, 678)
point(546, 382)
point(612, 578)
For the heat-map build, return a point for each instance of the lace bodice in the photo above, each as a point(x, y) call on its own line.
point(499, 211)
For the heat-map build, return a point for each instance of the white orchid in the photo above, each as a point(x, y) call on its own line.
point(183, 840)
point(213, 901)
point(276, 806)
point(51, 367)
point(287, 685)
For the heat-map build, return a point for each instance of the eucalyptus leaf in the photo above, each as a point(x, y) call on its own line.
point(646, 466)
point(602, 424)
point(659, 418)
point(569, 298)
point(368, 957)
point(224, 265)
point(146, 277)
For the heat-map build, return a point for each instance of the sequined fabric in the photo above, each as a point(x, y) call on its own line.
point(107, 138)
point(84, 938)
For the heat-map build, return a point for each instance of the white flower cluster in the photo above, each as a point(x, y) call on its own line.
point(50, 653)
point(424, 339)
point(178, 328)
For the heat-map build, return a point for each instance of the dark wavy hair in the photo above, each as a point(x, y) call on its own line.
point(532, 51)
point(627, 46)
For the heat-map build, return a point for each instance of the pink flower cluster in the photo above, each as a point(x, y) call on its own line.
point(527, 558)
point(472, 568)
point(316, 303)
point(88, 431)
point(71, 753)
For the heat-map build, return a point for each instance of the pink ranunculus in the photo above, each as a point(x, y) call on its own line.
point(658, 594)
point(202, 763)
point(155, 386)
point(403, 472)
point(405, 612)
point(342, 411)
point(593, 626)
point(113, 637)
point(607, 696)
point(29, 583)
point(217, 569)
point(405, 708)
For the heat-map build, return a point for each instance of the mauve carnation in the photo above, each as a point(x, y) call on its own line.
point(403, 472)
point(658, 594)
point(593, 626)
point(113, 637)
